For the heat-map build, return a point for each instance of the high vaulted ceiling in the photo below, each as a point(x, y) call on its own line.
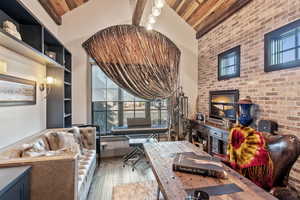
point(204, 15)
point(57, 8)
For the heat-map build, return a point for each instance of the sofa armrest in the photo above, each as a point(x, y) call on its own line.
point(52, 178)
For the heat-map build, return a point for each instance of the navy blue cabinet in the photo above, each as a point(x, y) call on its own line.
point(15, 183)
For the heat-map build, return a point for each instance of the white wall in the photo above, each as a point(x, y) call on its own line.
point(78, 26)
point(18, 122)
point(96, 15)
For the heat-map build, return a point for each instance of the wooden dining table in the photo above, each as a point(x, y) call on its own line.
point(174, 185)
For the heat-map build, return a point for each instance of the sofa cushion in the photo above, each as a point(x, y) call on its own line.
point(32, 153)
point(11, 154)
point(40, 145)
point(87, 137)
point(78, 138)
point(53, 140)
point(63, 140)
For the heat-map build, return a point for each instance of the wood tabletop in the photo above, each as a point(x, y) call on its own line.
point(173, 184)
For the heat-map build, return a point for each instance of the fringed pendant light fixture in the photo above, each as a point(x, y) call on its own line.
point(145, 63)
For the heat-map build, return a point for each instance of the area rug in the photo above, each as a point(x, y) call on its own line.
point(136, 191)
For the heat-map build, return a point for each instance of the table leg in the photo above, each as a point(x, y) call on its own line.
point(158, 193)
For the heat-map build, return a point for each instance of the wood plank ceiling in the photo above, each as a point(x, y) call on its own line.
point(204, 15)
point(57, 8)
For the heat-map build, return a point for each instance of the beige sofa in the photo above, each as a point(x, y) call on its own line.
point(63, 162)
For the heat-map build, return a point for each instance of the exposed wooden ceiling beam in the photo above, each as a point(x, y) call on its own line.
point(224, 11)
point(50, 10)
point(138, 12)
point(203, 8)
point(71, 4)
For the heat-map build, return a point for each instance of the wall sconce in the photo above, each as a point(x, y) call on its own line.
point(3, 67)
point(47, 86)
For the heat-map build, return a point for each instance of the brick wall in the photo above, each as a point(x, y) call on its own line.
point(276, 93)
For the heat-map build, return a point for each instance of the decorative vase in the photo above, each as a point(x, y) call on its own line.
point(245, 118)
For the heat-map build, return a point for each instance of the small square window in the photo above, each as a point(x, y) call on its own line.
point(282, 47)
point(229, 64)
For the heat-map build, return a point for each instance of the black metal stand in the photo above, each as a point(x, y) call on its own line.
point(138, 153)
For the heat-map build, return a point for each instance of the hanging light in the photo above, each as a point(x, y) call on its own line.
point(149, 27)
point(151, 19)
point(156, 11)
point(159, 3)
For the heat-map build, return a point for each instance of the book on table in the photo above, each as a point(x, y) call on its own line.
point(190, 162)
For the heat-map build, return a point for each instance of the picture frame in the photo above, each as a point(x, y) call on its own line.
point(16, 91)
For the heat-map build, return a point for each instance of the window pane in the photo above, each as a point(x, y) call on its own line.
point(299, 53)
point(111, 84)
point(112, 94)
point(99, 106)
point(155, 117)
point(154, 105)
point(126, 115)
point(127, 96)
point(164, 117)
point(231, 58)
point(288, 41)
point(139, 99)
point(228, 70)
point(159, 105)
point(228, 64)
point(112, 119)
point(99, 118)
point(283, 49)
point(98, 84)
point(140, 114)
point(112, 105)
point(164, 104)
point(298, 37)
point(128, 105)
point(140, 106)
point(288, 56)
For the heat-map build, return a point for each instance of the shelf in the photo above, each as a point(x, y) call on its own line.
point(67, 83)
point(52, 45)
point(68, 59)
point(67, 70)
point(68, 99)
point(24, 49)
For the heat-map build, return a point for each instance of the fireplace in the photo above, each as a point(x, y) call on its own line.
point(223, 104)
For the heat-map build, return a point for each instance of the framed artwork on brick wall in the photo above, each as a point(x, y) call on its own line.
point(16, 91)
point(282, 47)
point(229, 63)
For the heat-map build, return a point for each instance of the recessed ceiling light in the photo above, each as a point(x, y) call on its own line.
point(149, 27)
point(151, 19)
point(156, 11)
point(159, 3)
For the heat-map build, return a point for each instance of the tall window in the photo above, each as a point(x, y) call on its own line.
point(282, 47)
point(229, 64)
point(112, 106)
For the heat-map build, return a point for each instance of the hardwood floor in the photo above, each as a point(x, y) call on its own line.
point(111, 173)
